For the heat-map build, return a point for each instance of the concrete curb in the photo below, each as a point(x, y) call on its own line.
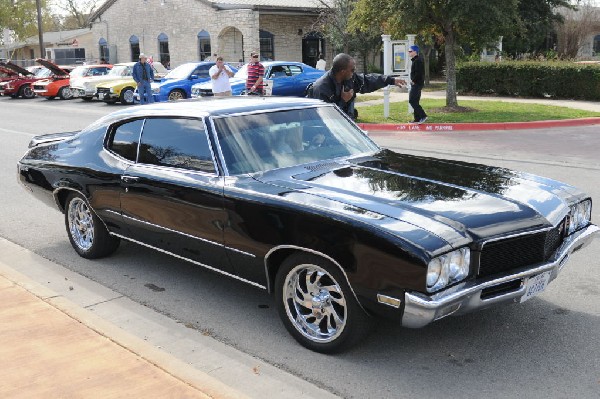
point(451, 127)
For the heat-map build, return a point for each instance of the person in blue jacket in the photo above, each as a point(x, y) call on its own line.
point(143, 75)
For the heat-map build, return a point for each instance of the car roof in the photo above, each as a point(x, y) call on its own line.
point(215, 107)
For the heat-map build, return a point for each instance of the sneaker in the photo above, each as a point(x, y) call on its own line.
point(422, 120)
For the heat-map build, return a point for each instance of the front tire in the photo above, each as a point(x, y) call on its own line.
point(87, 234)
point(177, 95)
point(317, 306)
point(65, 93)
point(126, 97)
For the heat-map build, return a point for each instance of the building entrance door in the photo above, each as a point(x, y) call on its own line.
point(312, 45)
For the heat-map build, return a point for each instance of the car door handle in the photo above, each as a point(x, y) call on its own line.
point(129, 179)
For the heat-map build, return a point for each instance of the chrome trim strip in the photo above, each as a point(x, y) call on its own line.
point(191, 261)
point(321, 254)
point(525, 233)
point(189, 235)
point(421, 309)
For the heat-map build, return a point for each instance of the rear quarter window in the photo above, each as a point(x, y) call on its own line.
point(124, 139)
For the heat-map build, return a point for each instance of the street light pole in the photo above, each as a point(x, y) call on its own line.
point(40, 29)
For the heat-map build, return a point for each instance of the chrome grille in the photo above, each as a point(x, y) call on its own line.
point(103, 90)
point(512, 253)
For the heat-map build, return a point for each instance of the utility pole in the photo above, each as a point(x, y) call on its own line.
point(40, 29)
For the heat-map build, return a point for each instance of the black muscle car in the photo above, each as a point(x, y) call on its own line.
point(289, 195)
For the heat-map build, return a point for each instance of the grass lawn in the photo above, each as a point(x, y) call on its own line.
point(481, 111)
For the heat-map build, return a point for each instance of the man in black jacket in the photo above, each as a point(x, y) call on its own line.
point(340, 84)
point(417, 78)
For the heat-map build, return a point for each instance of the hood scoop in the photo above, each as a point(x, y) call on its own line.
point(323, 166)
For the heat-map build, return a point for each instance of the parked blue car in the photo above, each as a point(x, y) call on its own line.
point(177, 84)
point(289, 79)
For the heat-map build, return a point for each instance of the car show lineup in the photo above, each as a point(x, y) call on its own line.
point(114, 83)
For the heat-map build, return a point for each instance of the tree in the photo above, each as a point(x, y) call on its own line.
point(456, 21)
point(578, 23)
point(75, 13)
point(19, 16)
point(537, 21)
point(334, 22)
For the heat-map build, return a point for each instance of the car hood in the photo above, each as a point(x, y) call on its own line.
point(96, 79)
point(451, 199)
point(16, 68)
point(56, 70)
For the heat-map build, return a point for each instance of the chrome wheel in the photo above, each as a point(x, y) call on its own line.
point(176, 95)
point(315, 303)
point(81, 224)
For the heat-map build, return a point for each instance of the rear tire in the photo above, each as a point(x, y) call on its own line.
point(87, 234)
point(317, 306)
point(26, 91)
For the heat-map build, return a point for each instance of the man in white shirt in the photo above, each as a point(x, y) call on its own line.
point(219, 77)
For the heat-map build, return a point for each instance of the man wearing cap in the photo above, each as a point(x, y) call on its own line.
point(143, 75)
point(341, 83)
point(417, 78)
point(256, 70)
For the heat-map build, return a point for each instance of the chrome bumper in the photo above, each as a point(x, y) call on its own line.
point(421, 309)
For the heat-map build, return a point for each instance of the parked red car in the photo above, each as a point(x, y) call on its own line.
point(5, 76)
point(21, 86)
point(57, 84)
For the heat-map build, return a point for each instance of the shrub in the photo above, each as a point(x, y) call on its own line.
point(566, 80)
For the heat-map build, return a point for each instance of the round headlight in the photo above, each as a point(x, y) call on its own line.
point(433, 272)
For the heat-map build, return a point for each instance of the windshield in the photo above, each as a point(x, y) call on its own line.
point(120, 70)
point(181, 72)
point(271, 140)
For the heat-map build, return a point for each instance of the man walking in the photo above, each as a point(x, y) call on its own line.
point(341, 83)
point(219, 78)
point(417, 78)
point(143, 75)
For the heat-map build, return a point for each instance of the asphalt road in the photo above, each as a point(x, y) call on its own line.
point(548, 347)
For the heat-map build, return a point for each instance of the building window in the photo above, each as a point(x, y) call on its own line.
point(134, 45)
point(103, 47)
point(163, 50)
point(597, 45)
point(267, 51)
point(204, 50)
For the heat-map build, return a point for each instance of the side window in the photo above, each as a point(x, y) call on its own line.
point(202, 71)
point(125, 138)
point(296, 70)
point(180, 143)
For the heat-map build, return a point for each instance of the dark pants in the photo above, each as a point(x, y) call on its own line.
point(413, 99)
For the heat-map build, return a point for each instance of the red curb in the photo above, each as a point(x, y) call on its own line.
point(450, 127)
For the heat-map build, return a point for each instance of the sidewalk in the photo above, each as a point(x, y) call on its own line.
point(65, 336)
point(397, 95)
point(51, 348)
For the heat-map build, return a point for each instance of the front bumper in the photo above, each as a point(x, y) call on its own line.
point(421, 309)
point(82, 92)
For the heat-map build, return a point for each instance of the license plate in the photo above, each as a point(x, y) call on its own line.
point(535, 285)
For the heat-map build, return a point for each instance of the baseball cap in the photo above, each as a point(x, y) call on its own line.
point(414, 48)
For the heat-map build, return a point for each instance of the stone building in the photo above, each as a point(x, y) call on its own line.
point(178, 31)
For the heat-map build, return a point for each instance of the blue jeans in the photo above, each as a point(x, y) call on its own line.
point(145, 92)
